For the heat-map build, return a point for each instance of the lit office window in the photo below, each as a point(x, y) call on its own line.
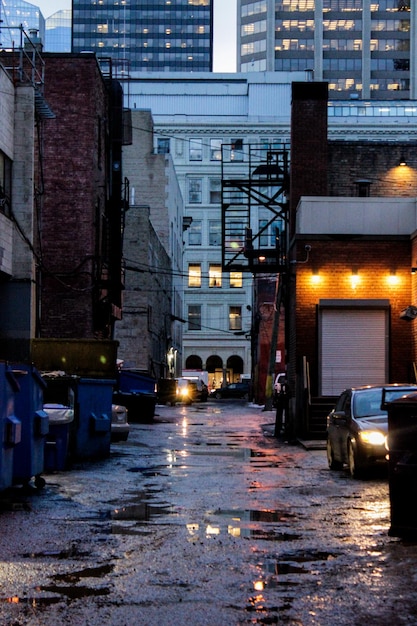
point(236, 280)
point(194, 275)
point(215, 276)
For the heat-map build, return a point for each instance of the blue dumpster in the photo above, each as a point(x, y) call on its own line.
point(28, 458)
point(10, 425)
point(91, 399)
point(57, 444)
point(136, 391)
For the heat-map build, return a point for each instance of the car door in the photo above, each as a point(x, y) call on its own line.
point(338, 425)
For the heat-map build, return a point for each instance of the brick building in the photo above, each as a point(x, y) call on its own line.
point(353, 220)
point(80, 199)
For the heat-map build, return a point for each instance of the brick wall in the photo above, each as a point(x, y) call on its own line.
point(309, 160)
point(373, 259)
point(375, 162)
point(72, 194)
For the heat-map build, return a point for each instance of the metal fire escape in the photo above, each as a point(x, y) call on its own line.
point(254, 208)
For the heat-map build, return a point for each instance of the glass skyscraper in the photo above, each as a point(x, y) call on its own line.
point(16, 13)
point(140, 35)
point(362, 48)
point(58, 32)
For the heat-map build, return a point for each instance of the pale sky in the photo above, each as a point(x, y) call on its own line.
point(224, 29)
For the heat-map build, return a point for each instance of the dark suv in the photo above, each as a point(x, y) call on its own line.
point(234, 390)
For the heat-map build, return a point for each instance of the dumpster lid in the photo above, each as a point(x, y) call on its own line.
point(59, 413)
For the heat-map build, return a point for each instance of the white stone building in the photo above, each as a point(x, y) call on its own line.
point(193, 116)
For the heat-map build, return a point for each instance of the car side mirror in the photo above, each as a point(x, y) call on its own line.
point(340, 415)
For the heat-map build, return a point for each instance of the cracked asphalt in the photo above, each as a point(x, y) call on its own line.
point(204, 518)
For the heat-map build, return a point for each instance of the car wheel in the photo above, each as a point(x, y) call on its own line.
point(333, 464)
point(217, 395)
point(354, 468)
point(246, 397)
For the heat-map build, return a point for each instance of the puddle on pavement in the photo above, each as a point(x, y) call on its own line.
point(254, 524)
point(142, 512)
point(74, 592)
point(32, 602)
point(88, 572)
point(71, 553)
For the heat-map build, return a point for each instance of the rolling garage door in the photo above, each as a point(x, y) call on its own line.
point(353, 347)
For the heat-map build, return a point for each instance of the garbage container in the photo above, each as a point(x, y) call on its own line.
point(28, 457)
point(10, 425)
point(56, 451)
point(136, 391)
point(402, 465)
point(93, 406)
point(91, 400)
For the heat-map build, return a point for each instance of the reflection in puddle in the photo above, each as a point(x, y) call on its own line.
point(140, 512)
point(32, 602)
point(88, 572)
point(251, 523)
point(74, 593)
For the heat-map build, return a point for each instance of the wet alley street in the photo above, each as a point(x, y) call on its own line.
point(204, 518)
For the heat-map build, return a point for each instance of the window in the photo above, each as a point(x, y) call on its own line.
point(195, 187)
point(215, 275)
point(215, 149)
point(196, 149)
point(194, 275)
point(194, 317)
point(194, 234)
point(236, 280)
point(215, 190)
point(235, 318)
point(215, 228)
point(5, 183)
point(162, 145)
point(236, 153)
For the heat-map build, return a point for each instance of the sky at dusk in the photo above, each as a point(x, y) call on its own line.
point(224, 29)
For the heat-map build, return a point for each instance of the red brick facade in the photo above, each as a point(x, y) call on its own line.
point(73, 190)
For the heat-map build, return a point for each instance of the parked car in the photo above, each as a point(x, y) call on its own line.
point(357, 427)
point(199, 388)
point(120, 427)
point(233, 390)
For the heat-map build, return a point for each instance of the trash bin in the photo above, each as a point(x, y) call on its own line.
point(136, 391)
point(91, 400)
point(28, 457)
point(93, 406)
point(402, 465)
point(10, 425)
point(56, 451)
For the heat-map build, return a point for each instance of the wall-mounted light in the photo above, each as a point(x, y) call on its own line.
point(355, 279)
point(393, 279)
point(414, 270)
point(315, 277)
point(402, 162)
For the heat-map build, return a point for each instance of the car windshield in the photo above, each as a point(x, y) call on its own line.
point(368, 402)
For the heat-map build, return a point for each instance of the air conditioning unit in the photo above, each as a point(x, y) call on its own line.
point(409, 314)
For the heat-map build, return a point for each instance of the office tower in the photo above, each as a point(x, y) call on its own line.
point(15, 14)
point(58, 32)
point(363, 49)
point(138, 36)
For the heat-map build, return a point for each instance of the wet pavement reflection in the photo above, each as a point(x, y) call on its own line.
point(203, 517)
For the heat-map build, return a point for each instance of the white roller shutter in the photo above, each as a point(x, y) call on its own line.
point(353, 348)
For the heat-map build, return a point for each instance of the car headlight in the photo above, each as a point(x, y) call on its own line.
point(372, 437)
